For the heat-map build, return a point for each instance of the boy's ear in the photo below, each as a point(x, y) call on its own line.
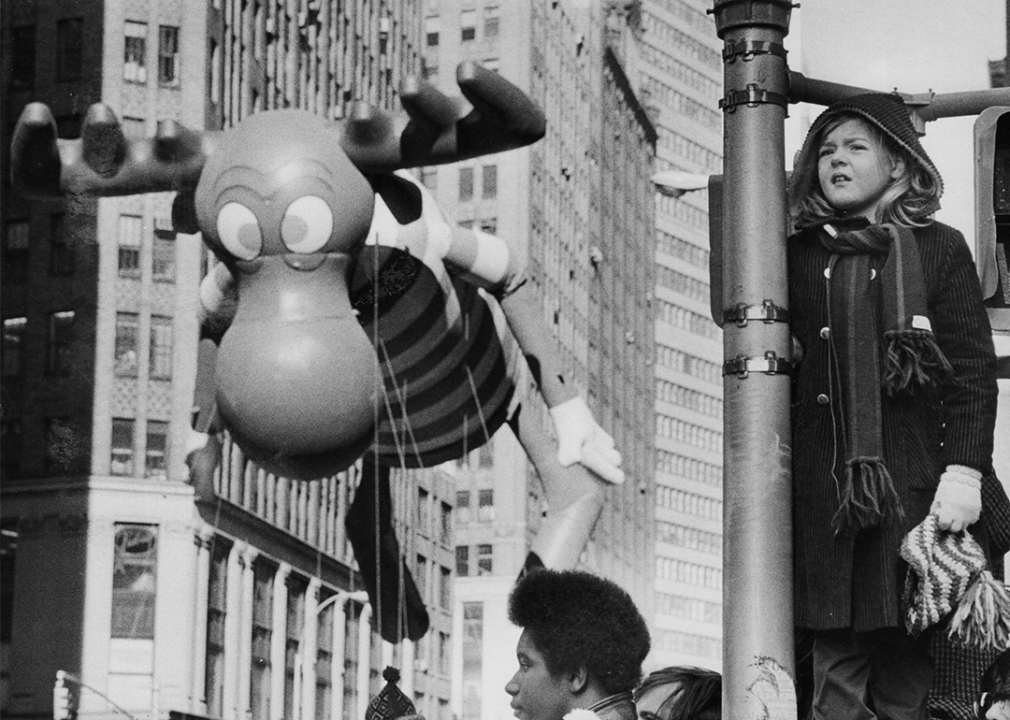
point(578, 680)
point(897, 169)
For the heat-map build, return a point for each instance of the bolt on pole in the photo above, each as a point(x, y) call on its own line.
point(758, 649)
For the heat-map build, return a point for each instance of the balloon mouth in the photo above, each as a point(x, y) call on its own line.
point(304, 263)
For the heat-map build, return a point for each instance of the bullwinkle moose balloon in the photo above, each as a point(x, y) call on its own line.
point(348, 313)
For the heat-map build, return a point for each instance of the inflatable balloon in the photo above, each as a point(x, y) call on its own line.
point(346, 314)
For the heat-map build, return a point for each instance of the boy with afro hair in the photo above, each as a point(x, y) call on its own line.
point(582, 647)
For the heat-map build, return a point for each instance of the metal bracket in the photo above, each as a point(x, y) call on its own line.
point(748, 49)
point(768, 312)
point(752, 96)
point(770, 364)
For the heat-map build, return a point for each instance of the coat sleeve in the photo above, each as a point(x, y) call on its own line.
point(962, 330)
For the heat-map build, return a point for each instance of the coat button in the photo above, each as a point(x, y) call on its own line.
point(825, 333)
point(827, 273)
point(823, 399)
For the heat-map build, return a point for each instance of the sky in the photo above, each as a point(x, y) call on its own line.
point(913, 46)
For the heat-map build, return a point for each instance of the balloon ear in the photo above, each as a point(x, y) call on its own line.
point(184, 212)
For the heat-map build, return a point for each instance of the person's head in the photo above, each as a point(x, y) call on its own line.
point(993, 702)
point(862, 157)
point(680, 693)
point(583, 639)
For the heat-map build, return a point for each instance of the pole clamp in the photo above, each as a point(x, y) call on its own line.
point(770, 364)
point(767, 312)
point(748, 49)
point(752, 96)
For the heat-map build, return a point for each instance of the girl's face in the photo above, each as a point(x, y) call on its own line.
point(855, 170)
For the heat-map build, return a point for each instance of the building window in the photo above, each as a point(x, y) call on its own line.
point(485, 560)
point(131, 235)
point(489, 182)
point(463, 505)
point(466, 183)
point(217, 608)
point(491, 63)
point(10, 441)
point(17, 237)
point(157, 441)
point(12, 361)
point(62, 447)
point(134, 51)
point(69, 49)
point(292, 646)
point(127, 341)
point(61, 252)
point(324, 659)
point(444, 654)
point(445, 537)
point(489, 225)
point(445, 588)
point(135, 566)
point(215, 72)
point(485, 505)
point(164, 257)
point(462, 560)
point(61, 336)
point(122, 447)
point(262, 632)
point(467, 25)
point(22, 57)
point(421, 578)
point(423, 513)
point(431, 27)
point(168, 55)
point(473, 657)
point(491, 22)
point(161, 347)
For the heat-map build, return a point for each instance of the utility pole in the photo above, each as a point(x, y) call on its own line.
point(758, 650)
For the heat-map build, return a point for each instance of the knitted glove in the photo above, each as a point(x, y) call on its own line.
point(958, 500)
point(582, 440)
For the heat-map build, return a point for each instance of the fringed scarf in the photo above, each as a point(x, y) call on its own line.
point(900, 357)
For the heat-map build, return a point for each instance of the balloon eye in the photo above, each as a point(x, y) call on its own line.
point(307, 224)
point(239, 231)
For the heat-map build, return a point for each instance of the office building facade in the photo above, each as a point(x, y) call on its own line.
point(243, 600)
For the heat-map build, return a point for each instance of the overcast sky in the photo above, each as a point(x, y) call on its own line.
point(914, 46)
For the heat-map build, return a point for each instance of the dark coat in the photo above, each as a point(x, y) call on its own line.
point(855, 579)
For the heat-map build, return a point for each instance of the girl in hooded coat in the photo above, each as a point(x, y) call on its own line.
point(894, 400)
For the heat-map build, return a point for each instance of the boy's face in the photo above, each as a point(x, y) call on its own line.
point(854, 170)
point(536, 694)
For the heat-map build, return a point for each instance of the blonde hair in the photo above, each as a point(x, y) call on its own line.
point(910, 200)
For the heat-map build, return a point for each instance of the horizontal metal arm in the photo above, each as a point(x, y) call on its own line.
point(924, 106)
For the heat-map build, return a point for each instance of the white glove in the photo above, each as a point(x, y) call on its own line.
point(958, 500)
point(582, 440)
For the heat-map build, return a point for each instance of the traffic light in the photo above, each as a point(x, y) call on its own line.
point(992, 212)
point(64, 700)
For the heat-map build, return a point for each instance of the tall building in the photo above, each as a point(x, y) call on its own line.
point(680, 76)
point(242, 601)
point(579, 203)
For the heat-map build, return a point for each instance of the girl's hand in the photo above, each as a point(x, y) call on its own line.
point(958, 500)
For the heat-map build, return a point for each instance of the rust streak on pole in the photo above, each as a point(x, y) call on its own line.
point(758, 650)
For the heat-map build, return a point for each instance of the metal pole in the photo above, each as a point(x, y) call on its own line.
point(758, 651)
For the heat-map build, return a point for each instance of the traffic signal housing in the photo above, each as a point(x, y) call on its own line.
point(992, 212)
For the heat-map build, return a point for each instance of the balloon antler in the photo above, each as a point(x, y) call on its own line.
point(103, 161)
